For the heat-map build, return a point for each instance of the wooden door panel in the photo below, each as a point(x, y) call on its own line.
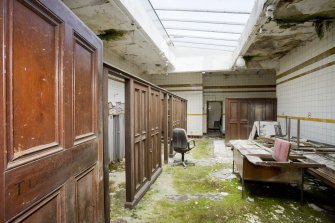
point(27, 184)
point(85, 187)
point(140, 136)
point(259, 111)
point(155, 130)
point(269, 110)
point(50, 210)
point(233, 132)
point(243, 131)
point(84, 81)
point(35, 65)
point(51, 146)
point(243, 111)
point(233, 114)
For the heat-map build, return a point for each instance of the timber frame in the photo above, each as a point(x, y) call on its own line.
point(151, 113)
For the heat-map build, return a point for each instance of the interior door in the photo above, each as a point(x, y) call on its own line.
point(141, 136)
point(51, 123)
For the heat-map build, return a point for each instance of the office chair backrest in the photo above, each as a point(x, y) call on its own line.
point(281, 150)
point(179, 138)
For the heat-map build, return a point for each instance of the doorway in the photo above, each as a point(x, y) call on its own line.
point(214, 117)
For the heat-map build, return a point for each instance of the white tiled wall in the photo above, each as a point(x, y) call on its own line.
point(116, 91)
point(313, 93)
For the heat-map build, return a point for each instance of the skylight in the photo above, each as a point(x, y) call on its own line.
point(207, 24)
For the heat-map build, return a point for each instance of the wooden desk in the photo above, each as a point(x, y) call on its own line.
point(250, 160)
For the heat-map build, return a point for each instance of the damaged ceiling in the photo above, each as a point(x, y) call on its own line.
point(119, 33)
point(293, 23)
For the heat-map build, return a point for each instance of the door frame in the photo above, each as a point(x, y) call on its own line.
point(207, 112)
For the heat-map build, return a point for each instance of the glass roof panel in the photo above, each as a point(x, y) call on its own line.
point(204, 41)
point(168, 15)
point(203, 26)
point(216, 24)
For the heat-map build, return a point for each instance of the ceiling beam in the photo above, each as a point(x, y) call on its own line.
point(210, 44)
point(198, 47)
point(202, 37)
point(203, 21)
point(201, 10)
point(201, 30)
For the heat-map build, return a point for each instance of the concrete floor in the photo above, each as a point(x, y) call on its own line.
point(209, 192)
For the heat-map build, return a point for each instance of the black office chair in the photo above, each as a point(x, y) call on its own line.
point(181, 144)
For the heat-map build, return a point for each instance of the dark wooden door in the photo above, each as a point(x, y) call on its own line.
point(237, 119)
point(242, 113)
point(155, 131)
point(51, 141)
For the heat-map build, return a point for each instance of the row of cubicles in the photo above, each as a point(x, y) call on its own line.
point(150, 115)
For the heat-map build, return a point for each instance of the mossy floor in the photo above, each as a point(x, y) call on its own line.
point(194, 194)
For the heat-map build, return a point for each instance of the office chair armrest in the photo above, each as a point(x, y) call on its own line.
point(189, 144)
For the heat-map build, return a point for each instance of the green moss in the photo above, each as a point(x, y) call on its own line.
point(247, 59)
point(319, 28)
point(203, 149)
point(269, 202)
point(117, 166)
point(111, 34)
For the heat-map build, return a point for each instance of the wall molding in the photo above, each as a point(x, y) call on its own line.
point(323, 120)
point(313, 60)
point(308, 72)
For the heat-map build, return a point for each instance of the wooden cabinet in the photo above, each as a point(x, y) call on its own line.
point(241, 113)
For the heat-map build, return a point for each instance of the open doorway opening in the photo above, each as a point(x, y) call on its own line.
point(214, 118)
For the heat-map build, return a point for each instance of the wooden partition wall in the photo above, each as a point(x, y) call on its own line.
point(146, 118)
point(177, 116)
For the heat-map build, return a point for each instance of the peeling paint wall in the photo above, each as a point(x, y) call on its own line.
point(305, 88)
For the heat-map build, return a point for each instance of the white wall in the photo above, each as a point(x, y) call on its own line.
point(313, 93)
point(116, 91)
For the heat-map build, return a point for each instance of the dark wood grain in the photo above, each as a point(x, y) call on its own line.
point(53, 69)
